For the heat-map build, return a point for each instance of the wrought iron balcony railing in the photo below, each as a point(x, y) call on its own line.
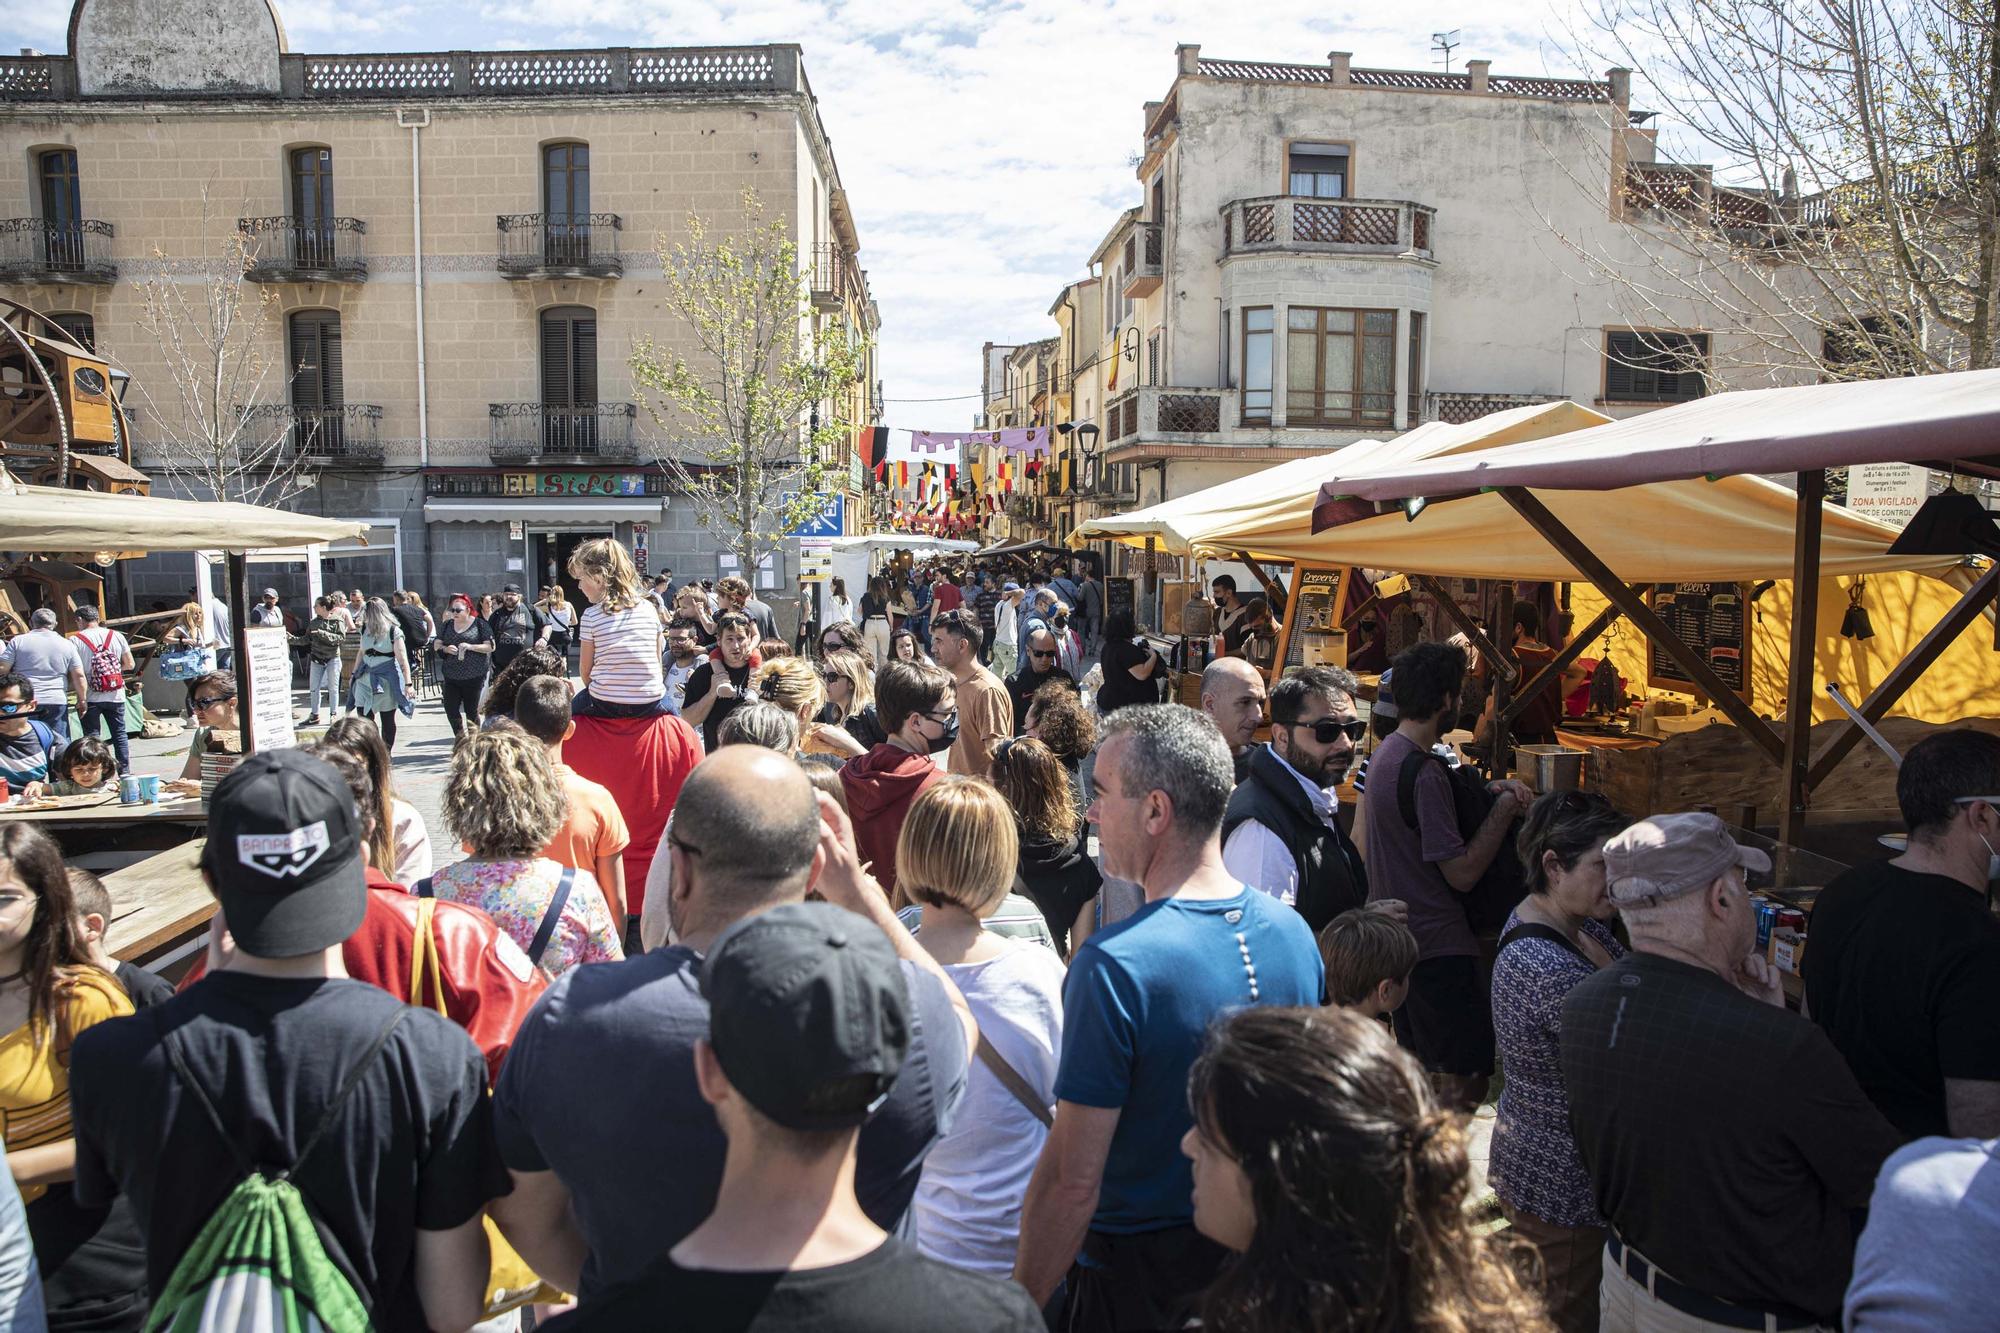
point(526, 431)
point(560, 245)
point(343, 433)
point(288, 249)
point(37, 250)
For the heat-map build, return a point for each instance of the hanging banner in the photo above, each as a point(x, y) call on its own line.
point(933, 443)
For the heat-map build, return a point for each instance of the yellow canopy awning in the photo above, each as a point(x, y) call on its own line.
point(1278, 501)
point(51, 518)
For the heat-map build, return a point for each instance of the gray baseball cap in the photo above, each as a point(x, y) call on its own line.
point(1662, 858)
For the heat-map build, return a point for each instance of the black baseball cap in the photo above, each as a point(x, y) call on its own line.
point(809, 1015)
point(511, 587)
point(284, 855)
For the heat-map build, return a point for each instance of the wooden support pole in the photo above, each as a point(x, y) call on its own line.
point(237, 564)
point(1897, 683)
point(1502, 665)
point(1648, 621)
point(1274, 591)
point(1800, 694)
point(1502, 741)
point(1571, 651)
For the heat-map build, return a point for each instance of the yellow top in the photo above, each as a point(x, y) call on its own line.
point(34, 1080)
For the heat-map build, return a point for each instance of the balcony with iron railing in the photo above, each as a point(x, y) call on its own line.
point(342, 433)
point(290, 249)
point(830, 277)
point(590, 432)
point(36, 250)
point(1142, 259)
point(1292, 224)
point(560, 245)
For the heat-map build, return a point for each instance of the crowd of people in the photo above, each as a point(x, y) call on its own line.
point(857, 984)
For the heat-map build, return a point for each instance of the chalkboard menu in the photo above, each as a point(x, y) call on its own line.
point(1119, 597)
point(1314, 594)
point(1714, 620)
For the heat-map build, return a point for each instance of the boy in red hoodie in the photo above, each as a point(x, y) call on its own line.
point(917, 705)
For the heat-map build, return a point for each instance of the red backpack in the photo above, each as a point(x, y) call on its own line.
point(106, 670)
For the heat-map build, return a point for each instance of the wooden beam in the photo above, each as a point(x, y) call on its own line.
point(1274, 591)
point(1800, 673)
point(1495, 659)
point(1629, 602)
point(1571, 651)
point(237, 565)
point(1894, 685)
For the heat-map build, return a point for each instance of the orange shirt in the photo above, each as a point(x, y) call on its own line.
point(595, 828)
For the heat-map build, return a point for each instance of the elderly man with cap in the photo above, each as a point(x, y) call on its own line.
point(276, 1061)
point(809, 1025)
point(1727, 1142)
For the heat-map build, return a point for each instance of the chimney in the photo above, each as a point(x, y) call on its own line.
point(1146, 113)
point(1189, 55)
point(1478, 70)
point(1340, 62)
point(1621, 86)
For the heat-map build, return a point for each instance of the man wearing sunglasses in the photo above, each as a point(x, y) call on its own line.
point(1282, 831)
point(1038, 668)
point(28, 746)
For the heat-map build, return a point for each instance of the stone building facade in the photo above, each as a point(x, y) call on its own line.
point(459, 252)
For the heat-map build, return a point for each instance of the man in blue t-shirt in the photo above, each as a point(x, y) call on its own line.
point(1137, 1006)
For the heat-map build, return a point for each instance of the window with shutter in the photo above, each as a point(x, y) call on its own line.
point(81, 328)
point(569, 379)
point(317, 391)
point(1644, 366)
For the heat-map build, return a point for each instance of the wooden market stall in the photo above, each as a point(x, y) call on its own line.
point(1572, 493)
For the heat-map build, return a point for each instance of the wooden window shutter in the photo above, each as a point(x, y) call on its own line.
point(556, 382)
point(316, 370)
point(1621, 354)
point(583, 363)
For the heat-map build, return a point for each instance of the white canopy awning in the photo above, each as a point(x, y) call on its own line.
point(535, 509)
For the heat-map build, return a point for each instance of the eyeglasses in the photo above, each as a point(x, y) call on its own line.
point(942, 719)
point(10, 709)
point(1040, 655)
point(202, 705)
point(1327, 730)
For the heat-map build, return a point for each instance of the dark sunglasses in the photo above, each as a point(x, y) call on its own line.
point(1033, 653)
point(10, 709)
point(1327, 730)
point(211, 701)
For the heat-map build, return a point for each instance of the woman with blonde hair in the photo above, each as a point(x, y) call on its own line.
point(850, 688)
point(1054, 870)
point(381, 687)
point(561, 615)
point(794, 684)
point(1325, 1164)
point(624, 640)
point(955, 857)
point(504, 802)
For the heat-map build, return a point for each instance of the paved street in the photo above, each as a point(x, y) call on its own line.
point(422, 758)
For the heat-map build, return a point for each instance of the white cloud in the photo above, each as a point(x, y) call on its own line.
point(985, 144)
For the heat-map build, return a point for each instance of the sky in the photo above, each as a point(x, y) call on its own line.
point(986, 146)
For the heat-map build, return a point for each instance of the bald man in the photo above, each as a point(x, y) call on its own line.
point(614, 1049)
point(1232, 694)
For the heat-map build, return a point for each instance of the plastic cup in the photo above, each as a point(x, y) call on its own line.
point(149, 789)
point(129, 790)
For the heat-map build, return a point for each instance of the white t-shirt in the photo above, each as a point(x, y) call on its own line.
point(84, 639)
point(967, 1211)
point(625, 654)
point(46, 658)
point(412, 842)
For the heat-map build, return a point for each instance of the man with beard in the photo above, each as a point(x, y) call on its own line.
point(1038, 668)
point(514, 627)
point(1282, 833)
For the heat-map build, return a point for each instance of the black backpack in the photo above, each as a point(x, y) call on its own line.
point(1503, 883)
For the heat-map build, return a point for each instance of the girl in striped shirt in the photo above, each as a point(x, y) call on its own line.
point(622, 636)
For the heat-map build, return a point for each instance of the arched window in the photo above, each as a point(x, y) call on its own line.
point(312, 206)
point(566, 202)
point(317, 394)
point(569, 379)
point(62, 208)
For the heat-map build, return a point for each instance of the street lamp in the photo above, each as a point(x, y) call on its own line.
point(1086, 433)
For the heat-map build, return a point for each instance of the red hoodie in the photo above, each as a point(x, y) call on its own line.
point(642, 761)
point(880, 786)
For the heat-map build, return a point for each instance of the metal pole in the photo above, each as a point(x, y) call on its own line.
point(237, 565)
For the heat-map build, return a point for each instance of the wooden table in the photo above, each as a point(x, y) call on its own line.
point(160, 909)
point(114, 827)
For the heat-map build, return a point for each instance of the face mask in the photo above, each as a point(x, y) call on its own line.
point(944, 742)
point(1992, 860)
